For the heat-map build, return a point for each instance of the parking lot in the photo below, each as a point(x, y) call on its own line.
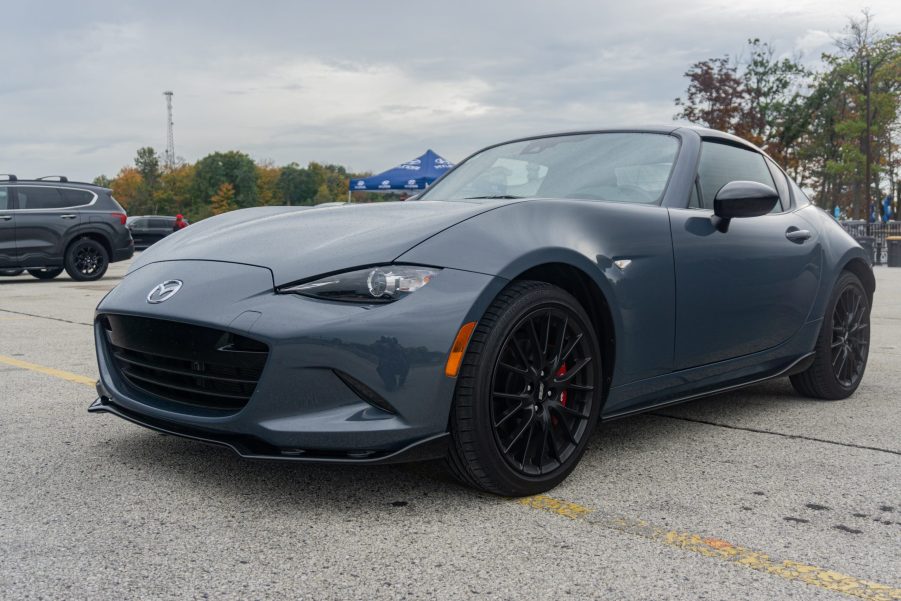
point(757, 494)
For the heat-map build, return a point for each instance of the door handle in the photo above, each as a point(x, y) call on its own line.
point(6, 217)
point(796, 235)
point(68, 216)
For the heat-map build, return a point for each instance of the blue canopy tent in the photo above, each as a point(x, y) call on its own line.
point(413, 175)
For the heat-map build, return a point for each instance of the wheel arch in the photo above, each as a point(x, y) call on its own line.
point(592, 298)
point(864, 273)
point(92, 234)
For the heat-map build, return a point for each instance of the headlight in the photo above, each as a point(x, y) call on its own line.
point(372, 285)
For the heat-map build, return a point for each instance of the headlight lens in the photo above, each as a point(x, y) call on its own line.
point(372, 285)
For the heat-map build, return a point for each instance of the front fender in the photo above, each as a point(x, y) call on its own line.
point(589, 236)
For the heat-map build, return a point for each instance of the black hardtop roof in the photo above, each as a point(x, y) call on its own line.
point(704, 132)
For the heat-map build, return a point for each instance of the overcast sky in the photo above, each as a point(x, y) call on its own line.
point(362, 83)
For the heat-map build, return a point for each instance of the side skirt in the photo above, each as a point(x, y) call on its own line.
point(796, 366)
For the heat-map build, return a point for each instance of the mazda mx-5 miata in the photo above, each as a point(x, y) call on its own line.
point(538, 287)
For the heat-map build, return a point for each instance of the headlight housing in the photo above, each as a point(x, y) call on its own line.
point(371, 285)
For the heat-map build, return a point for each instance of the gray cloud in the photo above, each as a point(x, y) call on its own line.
point(360, 83)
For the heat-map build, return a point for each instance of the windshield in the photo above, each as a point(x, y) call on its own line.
point(624, 167)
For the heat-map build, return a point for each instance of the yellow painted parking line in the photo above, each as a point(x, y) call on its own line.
point(50, 371)
point(721, 549)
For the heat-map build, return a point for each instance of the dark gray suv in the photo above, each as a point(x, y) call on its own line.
point(50, 225)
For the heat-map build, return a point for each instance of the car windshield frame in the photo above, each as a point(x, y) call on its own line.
point(433, 192)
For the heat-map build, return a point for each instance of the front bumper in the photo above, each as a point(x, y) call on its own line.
point(432, 447)
point(303, 407)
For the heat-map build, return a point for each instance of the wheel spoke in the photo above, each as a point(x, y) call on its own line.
point(561, 336)
point(507, 416)
point(564, 410)
point(519, 434)
point(571, 373)
point(522, 355)
point(513, 368)
point(525, 451)
point(536, 343)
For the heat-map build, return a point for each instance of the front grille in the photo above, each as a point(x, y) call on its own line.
point(186, 364)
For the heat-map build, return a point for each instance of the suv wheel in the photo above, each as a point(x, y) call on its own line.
point(86, 260)
point(46, 274)
point(11, 272)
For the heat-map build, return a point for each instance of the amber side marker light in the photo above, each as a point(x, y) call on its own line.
point(455, 359)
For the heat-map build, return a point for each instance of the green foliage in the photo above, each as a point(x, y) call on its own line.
point(836, 130)
point(296, 185)
point(234, 168)
point(102, 181)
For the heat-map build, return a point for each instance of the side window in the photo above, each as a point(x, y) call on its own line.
point(722, 163)
point(76, 198)
point(39, 198)
point(160, 223)
point(4, 199)
point(781, 187)
point(801, 199)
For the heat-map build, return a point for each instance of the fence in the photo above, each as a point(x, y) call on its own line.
point(878, 231)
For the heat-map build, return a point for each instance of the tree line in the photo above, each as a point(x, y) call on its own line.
point(220, 182)
point(836, 128)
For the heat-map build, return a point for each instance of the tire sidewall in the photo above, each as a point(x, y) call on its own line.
point(489, 453)
point(824, 344)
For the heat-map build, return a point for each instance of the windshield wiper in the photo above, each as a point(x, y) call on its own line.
point(493, 196)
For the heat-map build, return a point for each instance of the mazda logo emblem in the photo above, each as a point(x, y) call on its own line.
point(163, 292)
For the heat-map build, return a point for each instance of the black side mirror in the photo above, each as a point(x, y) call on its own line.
point(744, 199)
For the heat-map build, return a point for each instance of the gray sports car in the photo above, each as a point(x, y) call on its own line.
point(540, 286)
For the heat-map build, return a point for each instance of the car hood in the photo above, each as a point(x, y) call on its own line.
point(296, 243)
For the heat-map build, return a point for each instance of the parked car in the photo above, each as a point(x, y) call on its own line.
point(47, 225)
point(147, 230)
point(540, 286)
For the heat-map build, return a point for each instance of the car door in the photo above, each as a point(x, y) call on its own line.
point(7, 229)
point(161, 228)
point(43, 217)
point(138, 228)
point(747, 288)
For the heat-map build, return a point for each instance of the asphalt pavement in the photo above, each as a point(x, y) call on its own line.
point(757, 494)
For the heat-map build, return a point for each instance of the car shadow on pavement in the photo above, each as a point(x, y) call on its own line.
point(209, 469)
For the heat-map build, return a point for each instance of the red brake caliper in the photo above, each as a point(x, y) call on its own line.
point(562, 372)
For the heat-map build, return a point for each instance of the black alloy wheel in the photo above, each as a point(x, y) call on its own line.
point(843, 345)
point(850, 337)
point(86, 259)
point(528, 394)
point(542, 391)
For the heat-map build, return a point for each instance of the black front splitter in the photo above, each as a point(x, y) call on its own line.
point(432, 447)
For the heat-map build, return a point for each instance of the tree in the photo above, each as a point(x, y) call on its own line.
point(235, 168)
point(296, 185)
point(715, 95)
point(174, 193)
point(223, 200)
point(774, 111)
point(102, 181)
point(267, 184)
point(126, 189)
point(323, 195)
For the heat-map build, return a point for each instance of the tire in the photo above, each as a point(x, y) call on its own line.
point(86, 260)
point(46, 274)
point(843, 345)
point(11, 272)
point(504, 399)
